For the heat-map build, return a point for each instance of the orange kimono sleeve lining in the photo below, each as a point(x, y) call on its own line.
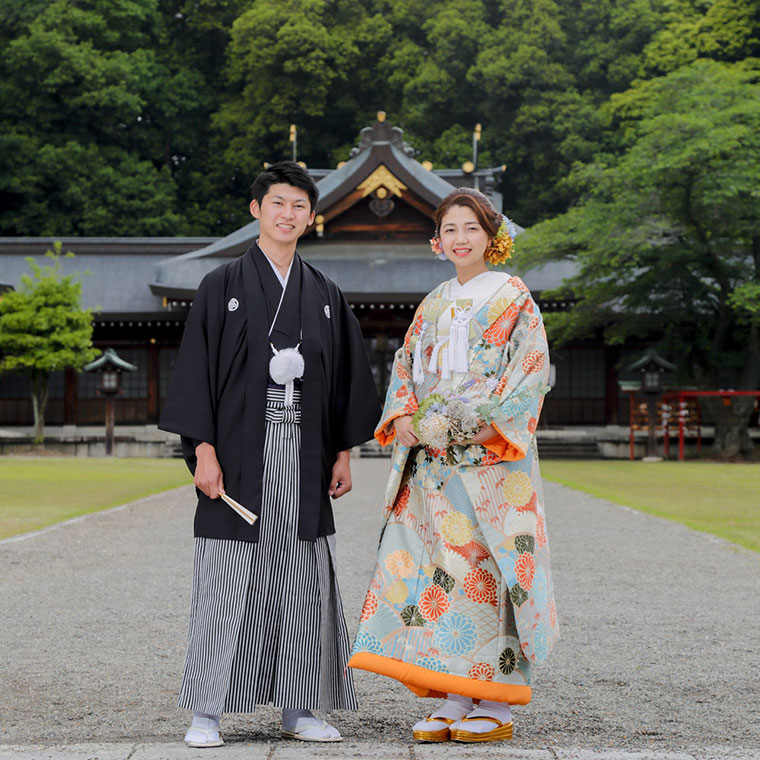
point(503, 447)
point(382, 435)
point(429, 683)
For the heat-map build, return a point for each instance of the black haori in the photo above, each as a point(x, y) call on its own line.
point(219, 387)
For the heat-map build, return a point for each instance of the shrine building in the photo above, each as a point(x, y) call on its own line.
point(371, 232)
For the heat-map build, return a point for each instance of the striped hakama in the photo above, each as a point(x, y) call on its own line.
point(266, 620)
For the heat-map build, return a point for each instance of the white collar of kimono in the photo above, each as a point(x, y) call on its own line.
point(283, 280)
point(480, 287)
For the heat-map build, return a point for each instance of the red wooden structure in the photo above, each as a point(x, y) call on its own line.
point(682, 404)
point(682, 398)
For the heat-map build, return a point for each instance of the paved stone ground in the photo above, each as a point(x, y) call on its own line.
point(659, 655)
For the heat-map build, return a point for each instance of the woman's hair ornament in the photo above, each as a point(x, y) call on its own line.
point(437, 248)
point(503, 242)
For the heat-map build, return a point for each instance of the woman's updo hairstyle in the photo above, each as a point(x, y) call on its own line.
point(494, 224)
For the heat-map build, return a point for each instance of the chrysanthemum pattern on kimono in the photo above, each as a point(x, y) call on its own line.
point(461, 598)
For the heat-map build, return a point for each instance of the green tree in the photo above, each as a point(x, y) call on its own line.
point(43, 329)
point(143, 117)
point(533, 72)
point(89, 102)
point(194, 35)
point(306, 62)
point(722, 30)
point(665, 236)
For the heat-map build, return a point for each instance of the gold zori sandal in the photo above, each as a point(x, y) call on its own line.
point(439, 735)
point(502, 731)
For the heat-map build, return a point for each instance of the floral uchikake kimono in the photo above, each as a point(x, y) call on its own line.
point(461, 599)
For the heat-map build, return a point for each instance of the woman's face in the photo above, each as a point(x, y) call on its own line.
point(463, 240)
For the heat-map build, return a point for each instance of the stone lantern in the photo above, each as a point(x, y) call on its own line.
point(652, 368)
point(109, 366)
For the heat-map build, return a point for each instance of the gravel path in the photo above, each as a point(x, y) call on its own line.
point(660, 649)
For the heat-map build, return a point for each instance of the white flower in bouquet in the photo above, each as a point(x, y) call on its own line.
point(434, 430)
point(463, 419)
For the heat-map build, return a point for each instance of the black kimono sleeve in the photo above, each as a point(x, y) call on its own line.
point(190, 407)
point(357, 404)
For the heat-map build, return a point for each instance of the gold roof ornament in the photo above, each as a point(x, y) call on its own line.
point(381, 115)
point(381, 177)
point(427, 165)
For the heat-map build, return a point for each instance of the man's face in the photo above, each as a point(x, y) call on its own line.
point(284, 213)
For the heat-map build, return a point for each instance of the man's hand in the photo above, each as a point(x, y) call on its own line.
point(340, 482)
point(405, 431)
point(208, 473)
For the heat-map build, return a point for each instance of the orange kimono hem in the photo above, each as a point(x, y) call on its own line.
point(429, 683)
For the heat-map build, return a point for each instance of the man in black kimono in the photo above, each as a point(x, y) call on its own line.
point(271, 389)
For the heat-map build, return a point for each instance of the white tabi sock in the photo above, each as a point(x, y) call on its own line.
point(454, 708)
point(206, 720)
point(307, 725)
point(204, 731)
point(486, 709)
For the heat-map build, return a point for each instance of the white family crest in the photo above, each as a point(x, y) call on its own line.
point(327, 311)
point(232, 304)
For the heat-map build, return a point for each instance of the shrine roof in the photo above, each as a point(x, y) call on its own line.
point(380, 145)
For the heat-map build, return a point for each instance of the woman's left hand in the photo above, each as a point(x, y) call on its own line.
point(484, 434)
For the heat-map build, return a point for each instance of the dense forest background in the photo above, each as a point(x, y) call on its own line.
point(150, 117)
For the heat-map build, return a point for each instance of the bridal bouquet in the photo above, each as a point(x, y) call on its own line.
point(440, 421)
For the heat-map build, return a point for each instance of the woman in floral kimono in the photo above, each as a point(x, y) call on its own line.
point(461, 603)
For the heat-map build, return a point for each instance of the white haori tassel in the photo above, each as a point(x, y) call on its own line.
point(284, 367)
point(418, 370)
point(459, 339)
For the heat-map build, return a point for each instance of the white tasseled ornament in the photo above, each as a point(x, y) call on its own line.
point(445, 364)
point(418, 370)
point(286, 365)
point(459, 339)
point(433, 366)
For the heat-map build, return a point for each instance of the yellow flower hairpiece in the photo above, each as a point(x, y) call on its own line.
point(500, 248)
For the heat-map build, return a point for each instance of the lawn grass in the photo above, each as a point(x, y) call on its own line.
point(722, 499)
point(40, 491)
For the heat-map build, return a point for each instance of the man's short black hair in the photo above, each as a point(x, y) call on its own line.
point(286, 173)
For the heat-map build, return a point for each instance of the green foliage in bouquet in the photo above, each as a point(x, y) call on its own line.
point(430, 422)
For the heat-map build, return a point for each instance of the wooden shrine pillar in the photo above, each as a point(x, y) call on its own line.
point(611, 398)
point(70, 399)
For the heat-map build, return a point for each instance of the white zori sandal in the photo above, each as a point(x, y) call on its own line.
point(313, 730)
point(204, 732)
